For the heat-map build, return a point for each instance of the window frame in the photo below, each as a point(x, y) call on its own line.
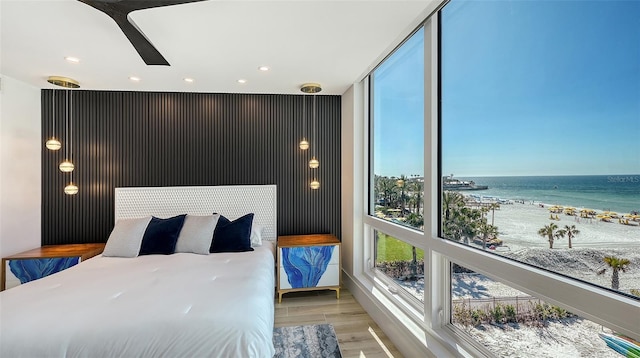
point(591, 302)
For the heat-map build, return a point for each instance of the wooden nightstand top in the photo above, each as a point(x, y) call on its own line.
point(307, 240)
point(85, 251)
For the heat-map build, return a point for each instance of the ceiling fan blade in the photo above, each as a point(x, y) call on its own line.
point(150, 55)
point(133, 5)
point(119, 10)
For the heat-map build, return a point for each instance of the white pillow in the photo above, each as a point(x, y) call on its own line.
point(256, 235)
point(196, 234)
point(126, 237)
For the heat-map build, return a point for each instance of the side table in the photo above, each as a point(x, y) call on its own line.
point(308, 262)
point(44, 261)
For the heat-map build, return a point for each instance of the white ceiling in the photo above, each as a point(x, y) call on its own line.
point(214, 42)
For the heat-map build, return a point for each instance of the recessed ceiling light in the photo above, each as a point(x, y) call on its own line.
point(263, 68)
point(72, 59)
point(242, 81)
point(190, 80)
point(135, 79)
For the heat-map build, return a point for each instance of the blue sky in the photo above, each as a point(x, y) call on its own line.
point(529, 88)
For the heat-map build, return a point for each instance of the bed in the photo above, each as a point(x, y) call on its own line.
point(178, 305)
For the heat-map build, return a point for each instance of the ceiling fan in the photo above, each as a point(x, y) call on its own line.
point(119, 11)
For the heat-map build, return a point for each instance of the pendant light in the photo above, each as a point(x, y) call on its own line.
point(313, 88)
point(67, 166)
point(53, 143)
point(304, 145)
point(71, 189)
point(314, 163)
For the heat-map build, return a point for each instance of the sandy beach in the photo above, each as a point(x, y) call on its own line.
point(519, 223)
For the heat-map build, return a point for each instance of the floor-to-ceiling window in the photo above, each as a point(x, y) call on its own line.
point(541, 128)
point(397, 165)
point(520, 121)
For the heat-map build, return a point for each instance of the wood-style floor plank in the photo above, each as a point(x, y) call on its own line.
point(358, 335)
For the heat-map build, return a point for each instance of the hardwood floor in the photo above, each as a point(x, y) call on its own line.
point(359, 336)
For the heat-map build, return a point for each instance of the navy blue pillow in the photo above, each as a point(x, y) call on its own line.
point(232, 236)
point(161, 236)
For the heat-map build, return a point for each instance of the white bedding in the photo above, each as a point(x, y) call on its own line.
point(180, 305)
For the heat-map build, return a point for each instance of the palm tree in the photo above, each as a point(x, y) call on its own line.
point(386, 188)
point(416, 188)
point(617, 265)
point(402, 184)
point(487, 230)
point(549, 231)
point(493, 208)
point(469, 221)
point(450, 202)
point(570, 231)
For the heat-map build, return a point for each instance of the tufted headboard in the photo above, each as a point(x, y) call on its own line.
point(230, 201)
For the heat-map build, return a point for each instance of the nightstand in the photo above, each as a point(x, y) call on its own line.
point(44, 261)
point(308, 262)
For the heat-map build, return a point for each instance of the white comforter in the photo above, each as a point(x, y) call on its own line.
point(180, 305)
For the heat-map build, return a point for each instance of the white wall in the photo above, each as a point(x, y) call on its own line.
point(20, 150)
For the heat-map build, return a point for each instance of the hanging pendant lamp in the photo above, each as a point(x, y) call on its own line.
point(71, 189)
point(314, 163)
point(304, 144)
point(67, 166)
point(53, 143)
point(313, 88)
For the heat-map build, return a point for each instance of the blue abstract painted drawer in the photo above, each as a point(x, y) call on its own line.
point(309, 266)
point(25, 270)
point(44, 261)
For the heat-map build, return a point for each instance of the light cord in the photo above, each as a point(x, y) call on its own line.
point(53, 118)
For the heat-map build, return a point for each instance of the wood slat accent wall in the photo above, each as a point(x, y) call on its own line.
point(128, 139)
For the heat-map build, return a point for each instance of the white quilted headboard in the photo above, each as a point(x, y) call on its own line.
point(230, 201)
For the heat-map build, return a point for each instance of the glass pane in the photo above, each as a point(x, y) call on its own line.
point(511, 323)
point(397, 152)
point(401, 262)
point(540, 120)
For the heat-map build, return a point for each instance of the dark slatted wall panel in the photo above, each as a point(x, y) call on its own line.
point(124, 139)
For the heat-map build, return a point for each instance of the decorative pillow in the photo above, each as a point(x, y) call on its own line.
point(161, 235)
point(126, 237)
point(256, 235)
point(196, 234)
point(232, 236)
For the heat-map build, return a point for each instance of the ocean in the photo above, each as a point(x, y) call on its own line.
point(619, 193)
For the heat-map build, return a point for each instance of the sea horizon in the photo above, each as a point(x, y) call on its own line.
point(613, 192)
